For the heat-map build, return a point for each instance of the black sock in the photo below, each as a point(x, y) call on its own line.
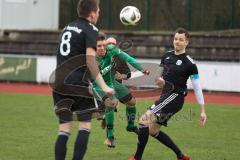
point(167, 141)
point(142, 141)
point(61, 145)
point(81, 143)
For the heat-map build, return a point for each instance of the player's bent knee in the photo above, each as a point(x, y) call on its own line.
point(132, 102)
point(153, 132)
point(147, 118)
point(63, 110)
point(65, 127)
point(154, 129)
point(110, 103)
point(84, 125)
point(143, 120)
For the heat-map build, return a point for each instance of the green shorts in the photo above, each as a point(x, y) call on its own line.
point(121, 92)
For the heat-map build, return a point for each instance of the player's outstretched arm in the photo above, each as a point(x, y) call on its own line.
point(127, 58)
point(113, 50)
point(199, 96)
point(93, 67)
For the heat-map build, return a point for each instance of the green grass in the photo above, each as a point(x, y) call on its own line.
point(28, 129)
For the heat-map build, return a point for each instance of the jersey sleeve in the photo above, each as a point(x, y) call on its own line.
point(113, 50)
point(197, 89)
point(193, 70)
point(162, 60)
point(125, 57)
point(91, 34)
point(131, 61)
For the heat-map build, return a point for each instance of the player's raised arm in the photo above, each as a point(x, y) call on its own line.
point(127, 58)
point(200, 98)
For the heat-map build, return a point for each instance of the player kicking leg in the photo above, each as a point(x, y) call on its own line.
point(110, 104)
point(125, 97)
point(150, 123)
point(108, 121)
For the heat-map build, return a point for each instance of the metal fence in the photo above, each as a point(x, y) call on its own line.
point(164, 14)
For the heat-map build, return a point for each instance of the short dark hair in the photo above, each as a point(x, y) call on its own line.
point(85, 7)
point(101, 36)
point(183, 31)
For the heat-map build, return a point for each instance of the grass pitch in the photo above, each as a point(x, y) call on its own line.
point(28, 129)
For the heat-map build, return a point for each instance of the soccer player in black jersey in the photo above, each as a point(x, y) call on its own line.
point(177, 68)
point(76, 52)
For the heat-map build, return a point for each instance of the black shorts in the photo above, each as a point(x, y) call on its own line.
point(167, 106)
point(67, 106)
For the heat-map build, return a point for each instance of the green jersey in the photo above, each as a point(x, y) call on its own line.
point(107, 63)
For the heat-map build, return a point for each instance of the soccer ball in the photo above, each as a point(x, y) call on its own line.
point(130, 15)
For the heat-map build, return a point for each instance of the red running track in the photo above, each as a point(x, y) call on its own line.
point(43, 89)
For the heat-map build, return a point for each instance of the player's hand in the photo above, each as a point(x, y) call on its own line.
point(160, 82)
point(203, 118)
point(146, 72)
point(108, 91)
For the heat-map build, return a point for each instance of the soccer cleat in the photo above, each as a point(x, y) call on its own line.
point(110, 142)
point(132, 129)
point(132, 158)
point(185, 157)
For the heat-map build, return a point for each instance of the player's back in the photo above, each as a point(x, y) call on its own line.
point(73, 41)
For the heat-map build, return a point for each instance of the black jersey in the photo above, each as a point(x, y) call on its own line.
point(73, 41)
point(177, 69)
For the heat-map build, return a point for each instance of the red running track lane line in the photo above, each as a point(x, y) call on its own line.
point(43, 89)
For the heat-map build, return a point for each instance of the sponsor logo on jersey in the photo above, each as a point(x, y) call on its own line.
point(73, 28)
point(106, 70)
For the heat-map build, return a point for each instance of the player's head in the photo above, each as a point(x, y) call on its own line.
point(181, 39)
point(88, 9)
point(111, 40)
point(101, 44)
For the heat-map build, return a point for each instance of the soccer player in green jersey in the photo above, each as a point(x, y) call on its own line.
point(105, 59)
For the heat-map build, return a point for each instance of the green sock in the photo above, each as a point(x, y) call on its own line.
point(109, 118)
point(131, 115)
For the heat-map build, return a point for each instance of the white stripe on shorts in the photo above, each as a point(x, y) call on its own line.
point(164, 103)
